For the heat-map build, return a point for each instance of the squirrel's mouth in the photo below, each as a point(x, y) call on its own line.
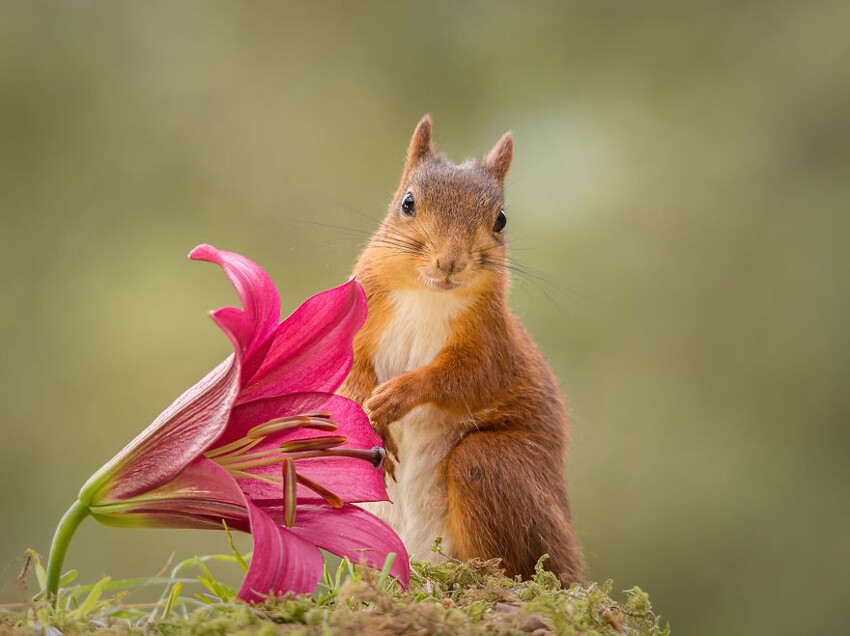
point(446, 284)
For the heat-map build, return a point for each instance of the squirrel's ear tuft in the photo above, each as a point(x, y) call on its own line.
point(498, 161)
point(420, 144)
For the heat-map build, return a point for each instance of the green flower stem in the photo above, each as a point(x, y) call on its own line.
point(61, 540)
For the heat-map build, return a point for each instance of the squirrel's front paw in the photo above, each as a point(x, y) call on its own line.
point(390, 401)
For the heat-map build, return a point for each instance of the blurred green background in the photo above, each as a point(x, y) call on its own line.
point(680, 183)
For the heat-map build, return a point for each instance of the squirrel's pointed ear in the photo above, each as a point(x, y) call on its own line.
point(498, 161)
point(420, 144)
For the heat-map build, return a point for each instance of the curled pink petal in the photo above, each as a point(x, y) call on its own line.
point(252, 326)
point(282, 562)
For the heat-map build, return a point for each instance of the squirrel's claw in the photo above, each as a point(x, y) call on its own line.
point(391, 449)
point(389, 441)
point(389, 469)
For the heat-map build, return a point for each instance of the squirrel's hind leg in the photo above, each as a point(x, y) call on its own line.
point(501, 503)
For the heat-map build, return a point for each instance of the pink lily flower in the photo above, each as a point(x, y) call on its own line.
point(261, 442)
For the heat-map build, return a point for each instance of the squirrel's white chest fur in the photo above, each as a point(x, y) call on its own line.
point(418, 329)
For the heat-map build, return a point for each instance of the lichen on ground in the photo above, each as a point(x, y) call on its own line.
point(449, 597)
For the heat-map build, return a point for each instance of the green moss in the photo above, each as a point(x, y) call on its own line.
point(450, 597)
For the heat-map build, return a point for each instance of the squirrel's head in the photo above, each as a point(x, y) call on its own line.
point(445, 228)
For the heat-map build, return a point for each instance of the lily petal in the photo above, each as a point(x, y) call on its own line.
point(252, 327)
point(282, 561)
point(180, 433)
point(312, 349)
point(199, 497)
point(354, 533)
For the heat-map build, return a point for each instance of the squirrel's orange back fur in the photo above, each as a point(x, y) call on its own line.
point(463, 397)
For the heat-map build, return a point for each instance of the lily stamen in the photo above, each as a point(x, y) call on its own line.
point(314, 443)
point(275, 481)
point(239, 446)
point(322, 415)
point(320, 490)
point(310, 420)
point(289, 491)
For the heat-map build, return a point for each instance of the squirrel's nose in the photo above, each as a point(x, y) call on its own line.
point(451, 264)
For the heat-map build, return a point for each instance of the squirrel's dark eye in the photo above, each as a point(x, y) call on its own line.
point(501, 221)
point(407, 205)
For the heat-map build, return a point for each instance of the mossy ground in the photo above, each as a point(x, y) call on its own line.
point(446, 598)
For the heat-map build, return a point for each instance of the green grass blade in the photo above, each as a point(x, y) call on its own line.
point(172, 598)
point(385, 571)
point(91, 601)
point(233, 549)
point(68, 577)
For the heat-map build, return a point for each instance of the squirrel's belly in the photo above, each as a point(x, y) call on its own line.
point(417, 331)
point(418, 494)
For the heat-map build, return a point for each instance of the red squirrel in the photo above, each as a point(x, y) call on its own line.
point(465, 401)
